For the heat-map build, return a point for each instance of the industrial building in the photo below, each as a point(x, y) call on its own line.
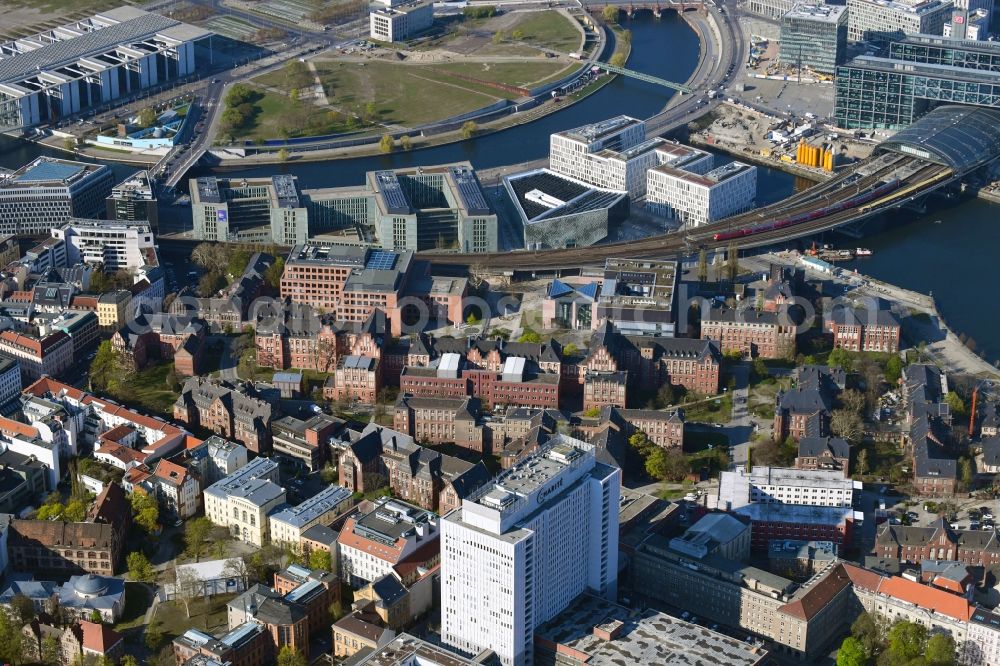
point(134, 200)
point(882, 21)
point(48, 191)
point(920, 72)
point(93, 61)
point(696, 199)
point(522, 548)
point(560, 211)
point(814, 36)
point(393, 21)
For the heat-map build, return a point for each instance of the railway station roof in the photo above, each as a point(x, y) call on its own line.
point(960, 137)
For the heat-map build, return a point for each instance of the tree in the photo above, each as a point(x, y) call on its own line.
point(320, 560)
point(732, 262)
point(472, 319)
point(702, 265)
point(870, 631)
point(210, 283)
point(370, 112)
point(940, 650)
point(498, 37)
point(853, 400)
point(76, 511)
point(863, 462)
point(618, 59)
point(237, 567)
point(530, 335)
point(626, 36)
point(51, 511)
point(52, 653)
point(289, 656)
point(283, 155)
point(851, 653)
point(104, 369)
point(147, 117)
point(69, 143)
point(955, 404)
point(11, 638)
point(336, 611)
point(145, 511)
point(96, 617)
point(840, 358)
point(274, 272)
point(140, 569)
point(405, 142)
point(213, 257)
point(657, 464)
point(297, 74)
point(906, 641)
point(966, 472)
point(128, 660)
point(469, 129)
point(846, 424)
point(187, 587)
point(386, 144)
point(517, 35)
point(610, 13)
point(23, 608)
point(570, 349)
point(893, 369)
point(195, 533)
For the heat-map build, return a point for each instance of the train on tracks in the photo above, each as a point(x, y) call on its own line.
point(860, 200)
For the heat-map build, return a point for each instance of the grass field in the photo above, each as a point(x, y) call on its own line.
point(137, 600)
point(281, 117)
point(208, 615)
point(148, 389)
point(523, 74)
point(549, 30)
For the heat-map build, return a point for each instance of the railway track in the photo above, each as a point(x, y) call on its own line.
point(845, 186)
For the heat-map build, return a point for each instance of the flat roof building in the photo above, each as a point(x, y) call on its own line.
point(637, 296)
point(115, 245)
point(255, 210)
point(696, 198)
point(288, 524)
point(560, 211)
point(882, 21)
point(813, 36)
point(243, 500)
point(134, 200)
point(91, 62)
point(370, 545)
point(48, 191)
point(392, 21)
point(502, 574)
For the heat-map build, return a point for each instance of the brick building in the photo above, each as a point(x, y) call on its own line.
point(864, 329)
point(58, 547)
point(604, 388)
point(912, 545)
point(927, 431)
point(805, 410)
point(236, 413)
point(750, 332)
point(356, 378)
point(823, 453)
point(161, 336)
point(441, 421)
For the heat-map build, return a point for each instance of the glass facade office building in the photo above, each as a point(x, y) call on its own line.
point(814, 36)
point(920, 73)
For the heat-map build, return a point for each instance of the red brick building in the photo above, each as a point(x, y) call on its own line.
point(824, 453)
point(441, 421)
point(602, 388)
point(870, 330)
point(751, 333)
point(230, 412)
point(912, 545)
point(356, 378)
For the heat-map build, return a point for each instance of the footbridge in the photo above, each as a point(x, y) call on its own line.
point(947, 144)
point(643, 77)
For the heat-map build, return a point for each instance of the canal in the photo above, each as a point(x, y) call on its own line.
point(950, 259)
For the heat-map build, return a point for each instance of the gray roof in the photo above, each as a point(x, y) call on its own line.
point(817, 446)
point(960, 137)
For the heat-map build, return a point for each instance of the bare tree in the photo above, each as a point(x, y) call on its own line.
point(237, 567)
point(846, 424)
point(187, 587)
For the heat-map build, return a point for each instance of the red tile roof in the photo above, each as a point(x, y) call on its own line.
point(928, 597)
point(863, 578)
point(11, 427)
point(170, 472)
point(117, 434)
point(39, 347)
point(48, 385)
point(388, 554)
point(98, 638)
point(818, 597)
point(83, 302)
point(122, 453)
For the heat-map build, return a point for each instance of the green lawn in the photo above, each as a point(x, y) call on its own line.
point(523, 74)
point(714, 410)
point(208, 615)
point(549, 29)
point(699, 441)
point(148, 388)
point(137, 600)
point(279, 116)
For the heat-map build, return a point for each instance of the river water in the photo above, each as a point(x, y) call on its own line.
point(951, 259)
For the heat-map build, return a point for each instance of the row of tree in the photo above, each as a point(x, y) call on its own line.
point(873, 641)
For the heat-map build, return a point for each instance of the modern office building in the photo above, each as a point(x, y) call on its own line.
point(882, 21)
point(48, 191)
point(114, 245)
point(93, 61)
point(613, 154)
point(965, 24)
point(432, 208)
point(134, 200)
point(814, 36)
point(560, 211)
point(779, 485)
point(520, 550)
point(394, 21)
point(253, 210)
point(921, 72)
point(696, 199)
point(637, 297)
point(772, 9)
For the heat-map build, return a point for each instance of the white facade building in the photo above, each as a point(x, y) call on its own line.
point(369, 546)
point(288, 524)
point(781, 485)
point(518, 552)
point(10, 380)
point(982, 639)
point(881, 21)
point(613, 154)
point(397, 21)
point(242, 501)
point(696, 199)
point(115, 245)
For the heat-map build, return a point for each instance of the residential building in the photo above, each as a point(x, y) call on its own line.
point(557, 210)
point(697, 198)
point(882, 22)
point(305, 442)
point(22, 483)
point(134, 200)
point(234, 413)
point(982, 643)
point(598, 632)
point(10, 250)
point(397, 21)
point(243, 501)
point(234, 308)
point(48, 191)
point(49, 354)
point(814, 36)
point(47, 444)
point(750, 332)
point(177, 490)
point(10, 380)
point(824, 453)
point(216, 458)
point(352, 282)
point(113, 309)
point(361, 630)
point(112, 244)
point(288, 524)
point(495, 559)
point(613, 154)
point(371, 544)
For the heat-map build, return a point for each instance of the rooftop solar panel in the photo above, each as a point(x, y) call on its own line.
point(470, 191)
point(47, 171)
point(392, 192)
point(381, 260)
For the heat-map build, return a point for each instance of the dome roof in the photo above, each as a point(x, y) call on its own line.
point(90, 585)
